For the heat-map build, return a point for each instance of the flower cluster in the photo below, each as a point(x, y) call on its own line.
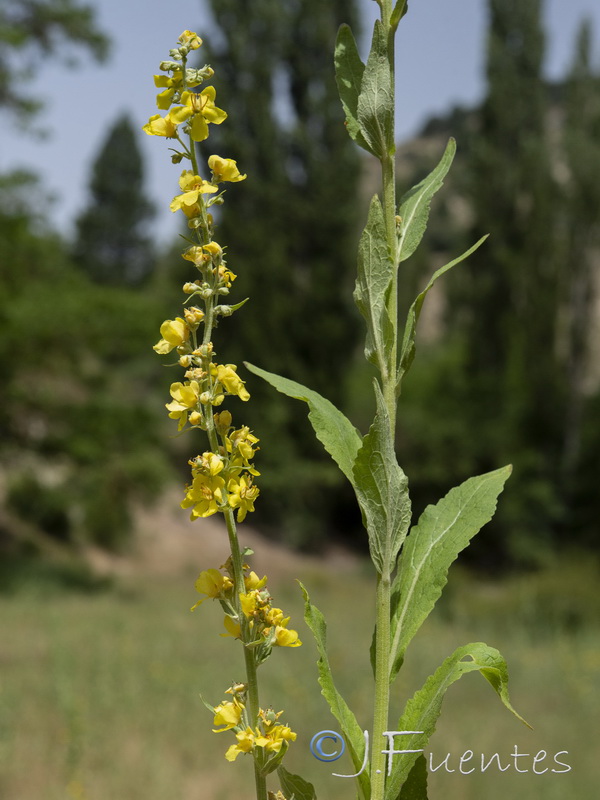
point(267, 740)
point(267, 625)
point(223, 476)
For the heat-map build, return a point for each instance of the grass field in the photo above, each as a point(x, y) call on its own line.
point(100, 690)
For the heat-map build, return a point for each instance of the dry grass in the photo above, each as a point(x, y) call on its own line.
point(100, 691)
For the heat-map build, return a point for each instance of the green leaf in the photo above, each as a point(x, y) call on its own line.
point(434, 543)
point(382, 491)
point(351, 731)
point(349, 71)
point(407, 353)
point(423, 709)
point(375, 109)
point(293, 786)
point(373, 282)
point(399, 11)
point(415, 786)
point(414, 206)
point(334, 430)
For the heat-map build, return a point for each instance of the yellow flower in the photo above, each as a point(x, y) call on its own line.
point(170, 86)
point(190, 39)
point(249, 603)
point(232, 627)
point(161, 126)
point(252, 581)
point(245, 743)
point(193, 186)
point(213, 584)
point(205, 495)
point(242, 494)
point(225, 169)
point(227, 376)
point(185, 397)
point(277, 736)
point(228, 715)
point(286, 638)
point(174, 333)
point(200, 106)
point(209, 463)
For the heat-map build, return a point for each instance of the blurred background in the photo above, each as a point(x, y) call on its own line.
point(100, 662)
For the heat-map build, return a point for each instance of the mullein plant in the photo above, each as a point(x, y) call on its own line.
point(411, 561)
point(223, 476)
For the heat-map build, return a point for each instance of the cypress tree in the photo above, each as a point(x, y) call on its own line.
point(581, 201)
point(292, 225)
point(510, 314)
point(111, 244)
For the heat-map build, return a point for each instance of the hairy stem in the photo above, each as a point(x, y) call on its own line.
point(382, 630)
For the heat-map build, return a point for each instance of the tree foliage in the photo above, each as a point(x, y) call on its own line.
point(32, 31)
point(293, 229)
point(112, 245)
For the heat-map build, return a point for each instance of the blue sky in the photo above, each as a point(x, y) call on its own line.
point(440, 63)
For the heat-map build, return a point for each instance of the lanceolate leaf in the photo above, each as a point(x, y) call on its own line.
point(375, 273)
point(349, 71)
point(414, 206)
point(334, 430)
point(423, 709)
point(415, 786)
point(375, 110)
point(407, 353)
point(351, 731)
point(434, 543)
point(382, 491)
point(295, 786)
point(399, 11)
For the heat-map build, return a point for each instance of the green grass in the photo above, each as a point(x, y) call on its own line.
point(99, 691)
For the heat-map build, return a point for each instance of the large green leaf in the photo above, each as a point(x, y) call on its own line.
point(373, 282)
point(423, 709)
point(414, 206)
point(382, 491)
point(407, 353)
point(375, 109)
point(294, 787)
point(415, 786)
point(351, 731)
point(349, 71)
point(434, 543)
point(334, 430)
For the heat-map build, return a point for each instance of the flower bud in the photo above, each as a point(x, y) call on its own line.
point(223, 422)
point(205, 398)
point(185, 361)
point(223, 290)
point(224, 311)
point(176, 158)
point(189, 288)
point(174, 53)
point(195, 418)
point(205, 350)
point(167, 66)
point(206, 292)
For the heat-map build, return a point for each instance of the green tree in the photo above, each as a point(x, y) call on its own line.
point(293, 226)
point(581, 201)
point(31, 31)
point(515, 395)
point(111, 243)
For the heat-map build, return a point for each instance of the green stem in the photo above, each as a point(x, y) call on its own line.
point(388, 377)
point(382, 687)
point(253, 703)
